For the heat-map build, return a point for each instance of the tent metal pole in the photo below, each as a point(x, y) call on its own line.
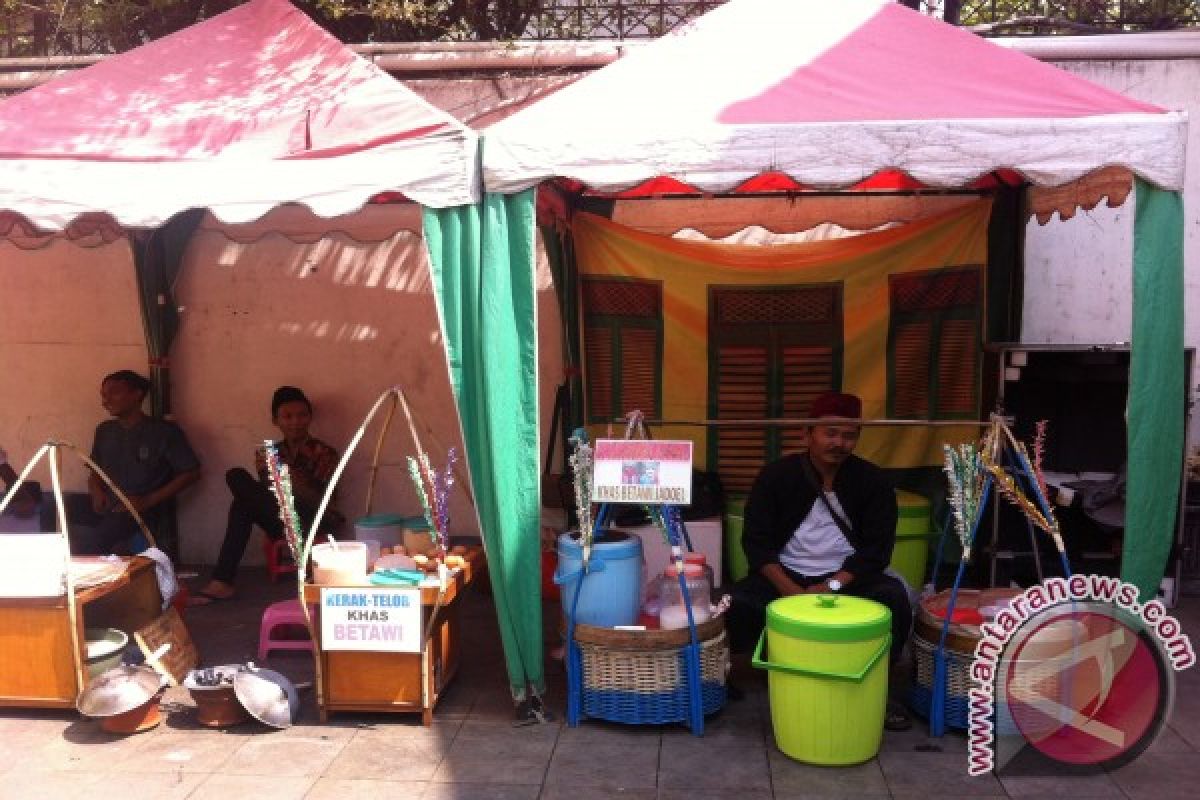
point(804, 422)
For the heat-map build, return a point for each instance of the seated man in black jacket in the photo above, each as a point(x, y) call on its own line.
point(797, 542)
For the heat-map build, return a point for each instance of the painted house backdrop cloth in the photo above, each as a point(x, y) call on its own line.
point(862, 265)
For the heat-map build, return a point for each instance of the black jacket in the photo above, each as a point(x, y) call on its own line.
point(782, 497)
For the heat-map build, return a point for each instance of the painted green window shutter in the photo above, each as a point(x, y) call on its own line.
point(772, 350)
point(742, 379)
point(622, 347)
point(935, 344)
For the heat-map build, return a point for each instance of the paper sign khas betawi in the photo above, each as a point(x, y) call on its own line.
point(642, 471)
point(372, 620)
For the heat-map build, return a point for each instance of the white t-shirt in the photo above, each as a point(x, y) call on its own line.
point(818, 546)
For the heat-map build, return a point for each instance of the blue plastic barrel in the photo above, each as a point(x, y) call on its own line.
point(610, 592)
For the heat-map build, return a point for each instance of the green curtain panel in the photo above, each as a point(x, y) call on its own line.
point(1156, 388)
point(482, 264)
point(560, 253)
point(157, 258)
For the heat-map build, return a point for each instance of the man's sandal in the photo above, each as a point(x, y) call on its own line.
point(201, 599)
point(896, 718)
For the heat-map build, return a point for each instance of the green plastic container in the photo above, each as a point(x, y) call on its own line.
point(416, 537)
point(104, 649)
point(913, 528)
point(387, 529)
point(827, 656)
point(735, 556)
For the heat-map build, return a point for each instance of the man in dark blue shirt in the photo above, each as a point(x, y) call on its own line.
point(148, 459)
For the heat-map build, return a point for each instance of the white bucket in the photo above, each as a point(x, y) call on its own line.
point(340, 563)
point(33, 564)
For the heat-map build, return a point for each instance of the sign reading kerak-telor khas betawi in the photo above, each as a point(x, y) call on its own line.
point(642, 471)
point(372, 619)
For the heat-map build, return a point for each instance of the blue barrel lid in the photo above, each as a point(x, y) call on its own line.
point(418, 523)
point(380, 521)
point(607, 545)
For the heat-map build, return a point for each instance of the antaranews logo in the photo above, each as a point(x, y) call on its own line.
point(1076, 668)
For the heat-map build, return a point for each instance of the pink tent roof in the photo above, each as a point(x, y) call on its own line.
point(260, 99)
point(828, 94)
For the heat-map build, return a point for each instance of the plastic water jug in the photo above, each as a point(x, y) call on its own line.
point(609, 591)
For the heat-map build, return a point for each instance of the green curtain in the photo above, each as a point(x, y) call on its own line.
point(560, 253)
point(157, 258)
point(482, 264)
point(1156, 388)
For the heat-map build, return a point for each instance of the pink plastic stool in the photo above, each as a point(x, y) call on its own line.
point(278, 558)
point(285, 612)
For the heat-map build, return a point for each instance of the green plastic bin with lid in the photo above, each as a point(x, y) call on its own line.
point(913, 526)
point(828, 661)
point(735, 556)
point(416, 536)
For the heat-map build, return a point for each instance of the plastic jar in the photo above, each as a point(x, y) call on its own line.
point(673, 613)
point(701, 560)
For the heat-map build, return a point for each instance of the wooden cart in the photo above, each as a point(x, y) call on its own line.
point(399, 682)
point(37, 662)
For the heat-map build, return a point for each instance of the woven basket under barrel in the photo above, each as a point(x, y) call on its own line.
point(640, 677)
point(961, 640)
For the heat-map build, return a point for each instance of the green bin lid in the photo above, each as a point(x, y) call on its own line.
point(415, 523)
point(911, 504)
point(829, 617)
point(380, 521)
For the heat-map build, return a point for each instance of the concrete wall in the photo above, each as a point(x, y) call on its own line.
point(340, 318)
point(1078, 283)
point(68, 316)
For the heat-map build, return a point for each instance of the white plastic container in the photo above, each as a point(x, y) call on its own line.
point(340, 563)
point(33, 564)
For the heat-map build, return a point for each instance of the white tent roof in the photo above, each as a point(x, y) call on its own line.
point(828, 95)
point(252, 109)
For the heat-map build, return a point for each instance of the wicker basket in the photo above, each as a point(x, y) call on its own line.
point(961, 640)
point(640, 677)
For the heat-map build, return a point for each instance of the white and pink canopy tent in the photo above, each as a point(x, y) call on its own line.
point(785, 96)
point(252, 109)
point(827, 96)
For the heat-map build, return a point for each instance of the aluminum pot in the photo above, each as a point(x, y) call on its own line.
point(268, 696)
point(124, 698)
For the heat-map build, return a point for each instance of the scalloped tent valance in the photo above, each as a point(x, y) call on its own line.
point(821, 99)
point(249, 110)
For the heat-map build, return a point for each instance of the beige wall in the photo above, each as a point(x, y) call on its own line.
point(1078, 273)
point(68, 316)
point(340, 318)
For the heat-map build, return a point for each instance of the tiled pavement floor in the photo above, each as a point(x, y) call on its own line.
point(472, 750)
